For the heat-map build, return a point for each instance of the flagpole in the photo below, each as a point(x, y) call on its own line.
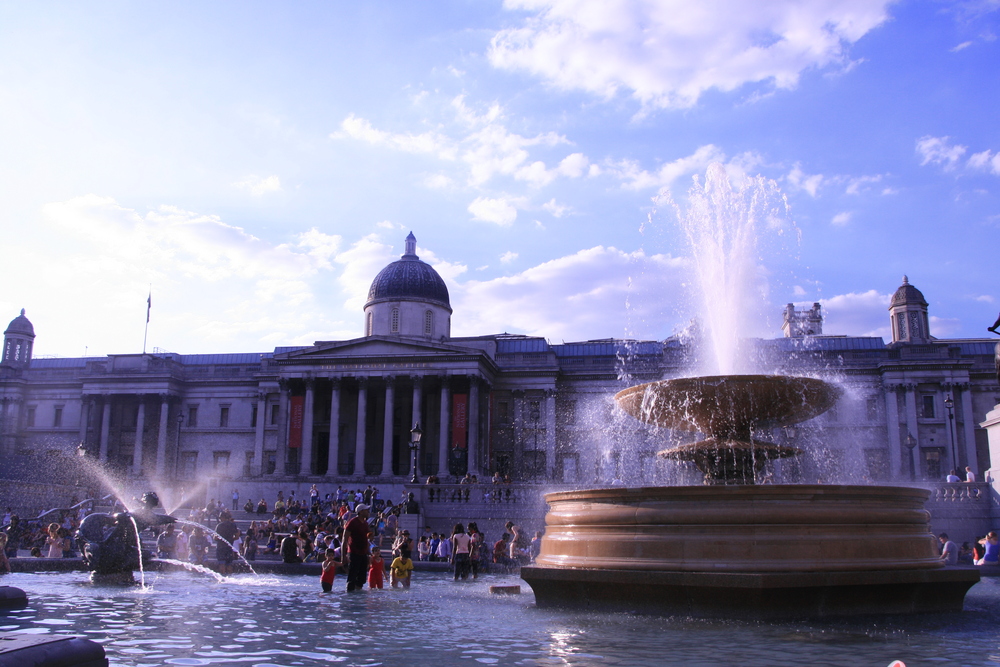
point(149, 305)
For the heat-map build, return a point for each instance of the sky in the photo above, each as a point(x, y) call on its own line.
point(254, 165)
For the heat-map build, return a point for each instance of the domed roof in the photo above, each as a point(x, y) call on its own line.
point(409, 278)
point(20, 325)
point(907, 293)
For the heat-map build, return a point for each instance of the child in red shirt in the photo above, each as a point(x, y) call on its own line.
point(330, 566)
point(376, 569)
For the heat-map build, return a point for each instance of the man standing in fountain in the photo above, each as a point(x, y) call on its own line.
point(356, 534)
point(224, 553)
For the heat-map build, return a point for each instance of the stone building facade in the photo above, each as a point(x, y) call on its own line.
point(341, 412)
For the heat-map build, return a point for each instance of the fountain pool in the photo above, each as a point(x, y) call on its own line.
point(184, 619)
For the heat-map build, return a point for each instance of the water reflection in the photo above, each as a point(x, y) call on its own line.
point(184, 619)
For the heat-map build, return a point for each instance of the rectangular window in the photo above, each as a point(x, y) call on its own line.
point(872, 409)
point(253, 416)
point(29, 417)
point(188, 465)
point(272, 463)
point(566, 412)
point(534, 411)
point(220, 461)
point(503, 412)
point(192, 415)
point(927, 411)
point(224, 416)
point(57, 417)
point(274, 414)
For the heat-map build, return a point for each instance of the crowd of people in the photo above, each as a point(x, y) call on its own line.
point(346, 531)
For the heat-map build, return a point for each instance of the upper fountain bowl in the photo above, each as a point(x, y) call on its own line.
point(728, 407)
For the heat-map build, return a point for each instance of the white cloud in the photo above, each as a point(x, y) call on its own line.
point(985, 298)
point(499, 211)
point(841, 219)
point(635, 178)
point(986, 160)
point(960, 47)
point(556, 210)
point(800, 180)
point(944, 327)
point(485, 145)
point(859, 184)
point(939, 150)
point(508, 257)
point(857, 314)
point(575, 297)
point(212, 281)
point(666, 53)
point(258, 186)
point(798, 290)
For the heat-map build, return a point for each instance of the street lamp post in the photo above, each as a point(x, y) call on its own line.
point(415, 434)
point(949, 405)
point(911, 444)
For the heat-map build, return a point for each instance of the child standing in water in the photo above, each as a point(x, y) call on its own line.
point(402, 569)
point(330, 565)
point(376, 569)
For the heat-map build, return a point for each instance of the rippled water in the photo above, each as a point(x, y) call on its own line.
point(186, 619)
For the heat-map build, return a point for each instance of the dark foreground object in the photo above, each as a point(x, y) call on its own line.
point(755, 596)
point(27, 650)
point(12, 598)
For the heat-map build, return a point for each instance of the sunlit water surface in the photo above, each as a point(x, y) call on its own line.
point(186, 619)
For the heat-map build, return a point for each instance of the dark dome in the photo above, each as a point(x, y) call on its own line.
point(907, 293)
point(409, 278)
point(20, 325)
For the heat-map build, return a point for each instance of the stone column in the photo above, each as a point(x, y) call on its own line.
point(387, 424)
point(85, 405)
point(105, 429)
point(911, 421)
point(550, 433)
point(305, 461)
point(359, 440)
point(444, 444)
point(333, 453)
point(415, 414)
point(474, 426)
point(897, 465)
point(161, 437)
point(140, 426)
point(258, 437)
point(283, 425)
point(968, 431)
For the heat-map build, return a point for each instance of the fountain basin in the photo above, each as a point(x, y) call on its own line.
point(745, 551)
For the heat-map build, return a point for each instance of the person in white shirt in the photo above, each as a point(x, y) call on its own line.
point(970, 476)
point(952, 478)
point(949, 550)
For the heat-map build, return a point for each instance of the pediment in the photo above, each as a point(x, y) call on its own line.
point(376, 346)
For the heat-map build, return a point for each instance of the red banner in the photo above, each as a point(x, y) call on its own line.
point(296, 411)
point(459, 420)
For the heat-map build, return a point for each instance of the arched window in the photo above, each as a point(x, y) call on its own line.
point(428, 323)
point(368, 327)
point(394, 326)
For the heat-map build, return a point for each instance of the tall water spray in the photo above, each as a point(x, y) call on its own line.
point(725, 226)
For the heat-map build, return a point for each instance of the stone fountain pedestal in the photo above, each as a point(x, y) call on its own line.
point(760, 552)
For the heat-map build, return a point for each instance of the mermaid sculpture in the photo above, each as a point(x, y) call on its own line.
point(110, 542)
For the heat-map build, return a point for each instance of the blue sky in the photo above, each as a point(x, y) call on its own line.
point(258, 163)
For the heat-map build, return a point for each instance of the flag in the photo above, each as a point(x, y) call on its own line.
point(149, 305)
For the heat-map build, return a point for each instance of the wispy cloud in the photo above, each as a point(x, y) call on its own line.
point(939, 150)
point(667, 54)
point(258, 186)
point(500, 211)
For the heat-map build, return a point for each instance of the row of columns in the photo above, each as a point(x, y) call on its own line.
point(138, 462)
point(965, 442)
point(443, 446)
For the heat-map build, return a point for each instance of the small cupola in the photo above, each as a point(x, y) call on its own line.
point(18, 340)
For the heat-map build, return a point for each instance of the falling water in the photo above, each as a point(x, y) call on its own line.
point(194, 567)
point(724, 226)
point(219, 537)
point(138, 546)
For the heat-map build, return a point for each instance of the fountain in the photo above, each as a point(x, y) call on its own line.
point(111, 547)
point(732, 548)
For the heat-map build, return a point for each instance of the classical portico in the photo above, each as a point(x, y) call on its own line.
point(352, 404)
